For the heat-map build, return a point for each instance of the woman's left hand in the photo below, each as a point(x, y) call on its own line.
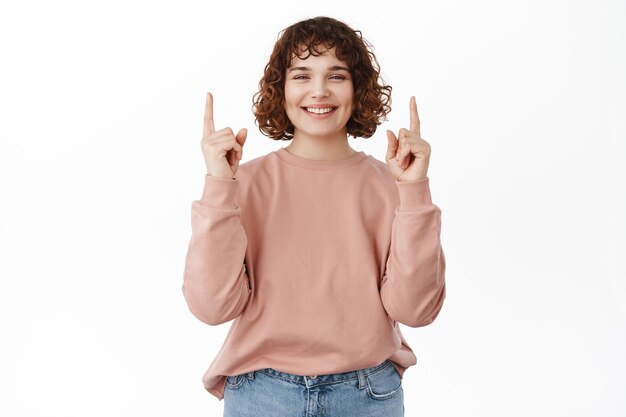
point(408, 156)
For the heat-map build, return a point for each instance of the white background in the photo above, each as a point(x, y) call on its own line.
point(101, 116)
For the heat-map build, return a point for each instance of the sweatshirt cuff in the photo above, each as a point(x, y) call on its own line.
point(220, 192)
point(414, 194)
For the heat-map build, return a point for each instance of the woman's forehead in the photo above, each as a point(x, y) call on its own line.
point(326, 55)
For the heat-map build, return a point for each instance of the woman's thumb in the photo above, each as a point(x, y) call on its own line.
point(241, 136)
point(392, 144)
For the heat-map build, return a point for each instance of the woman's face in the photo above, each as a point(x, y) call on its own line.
point(322, 82)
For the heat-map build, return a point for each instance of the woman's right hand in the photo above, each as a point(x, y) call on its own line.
point(223, 149)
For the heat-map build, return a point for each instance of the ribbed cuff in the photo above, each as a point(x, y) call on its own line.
point(220, 192)
point(414, 194)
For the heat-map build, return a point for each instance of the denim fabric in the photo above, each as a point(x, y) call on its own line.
point(369, 392)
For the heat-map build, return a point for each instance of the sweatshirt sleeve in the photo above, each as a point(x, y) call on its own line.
point(215, 282)
point(413, 287)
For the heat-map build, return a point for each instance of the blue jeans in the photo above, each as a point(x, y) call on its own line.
point(371, 392)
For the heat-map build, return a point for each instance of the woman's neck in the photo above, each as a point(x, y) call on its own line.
point(325, 149)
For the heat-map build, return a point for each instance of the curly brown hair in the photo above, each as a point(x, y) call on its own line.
point(372, 100)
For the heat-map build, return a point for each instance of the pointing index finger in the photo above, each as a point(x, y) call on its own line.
point(415, 119)
point(209, 127)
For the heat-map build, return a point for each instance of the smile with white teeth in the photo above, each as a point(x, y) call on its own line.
point(319, 110)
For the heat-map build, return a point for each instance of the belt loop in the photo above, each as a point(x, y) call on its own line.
point(361, 377)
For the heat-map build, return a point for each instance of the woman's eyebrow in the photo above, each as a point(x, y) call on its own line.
point(332, 68)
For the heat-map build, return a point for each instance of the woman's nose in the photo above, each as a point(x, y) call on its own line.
point(319, 89)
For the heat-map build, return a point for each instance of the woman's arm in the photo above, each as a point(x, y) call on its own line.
point(215, 283)
point(413, 288)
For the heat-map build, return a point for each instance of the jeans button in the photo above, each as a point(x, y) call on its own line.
point(313, 376)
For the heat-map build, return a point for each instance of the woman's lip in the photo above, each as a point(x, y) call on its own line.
point(319, 116)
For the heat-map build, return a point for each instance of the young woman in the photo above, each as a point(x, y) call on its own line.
point(316, 251)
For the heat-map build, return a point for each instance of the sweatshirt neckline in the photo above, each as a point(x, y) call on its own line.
point(293, 159)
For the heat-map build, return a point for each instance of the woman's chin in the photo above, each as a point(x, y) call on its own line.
point(321, 133)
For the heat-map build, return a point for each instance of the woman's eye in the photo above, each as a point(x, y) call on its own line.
point(336, 77)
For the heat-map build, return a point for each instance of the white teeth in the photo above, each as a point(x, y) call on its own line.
point(318, 110)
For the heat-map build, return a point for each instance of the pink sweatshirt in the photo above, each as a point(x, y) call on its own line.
point(317, 263)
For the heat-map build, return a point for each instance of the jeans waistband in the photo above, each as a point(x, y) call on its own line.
point(313, 380)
